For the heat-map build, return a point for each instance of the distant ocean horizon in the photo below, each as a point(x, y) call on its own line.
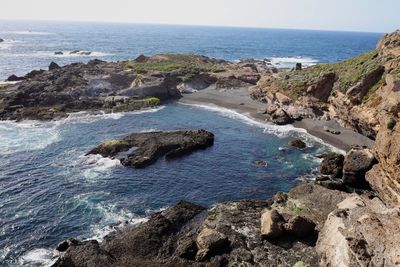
point(32, 44)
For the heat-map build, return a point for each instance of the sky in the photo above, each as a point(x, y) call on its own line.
point(348, 15)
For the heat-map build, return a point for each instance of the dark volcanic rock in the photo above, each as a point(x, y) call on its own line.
point(1, 40)
point(142, 149)
point(297, 143)
point(332, 164)
point(58, 53)
point(15, 78)
point(53, 66)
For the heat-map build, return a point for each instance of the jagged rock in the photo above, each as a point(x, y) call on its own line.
point(64, 245)
point(142, 149)
point(356, 163)
point(280, 117)
point(260, 163)
point(53, 66)
point(271, 224)
point(360, 232)
point(1, 40)
point(58, 53)
point(298, 66)
point(14, 78)
point(297, 143)
point(299, 226)
point(88, 254)
point(332, 164)
point(141, 59)
point(210, 243)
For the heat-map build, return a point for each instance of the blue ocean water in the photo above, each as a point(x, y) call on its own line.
point(32, 45)
point(50, 191)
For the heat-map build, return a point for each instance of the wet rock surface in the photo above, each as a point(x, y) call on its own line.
point(142, 149)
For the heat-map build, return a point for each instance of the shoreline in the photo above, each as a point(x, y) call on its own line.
point(239, 100)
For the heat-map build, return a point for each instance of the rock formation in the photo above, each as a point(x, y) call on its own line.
point(142, 149)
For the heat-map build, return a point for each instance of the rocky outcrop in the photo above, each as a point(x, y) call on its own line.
point(356, 164)
point(332, 164)
point(297, 143)
point(52, 94)
point(1, 40)
point(142, 149)
point(224, 235)
point(360, 232)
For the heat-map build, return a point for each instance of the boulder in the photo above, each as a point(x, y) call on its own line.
point(210, 243)
point(271, 224)
point(142, 149)
point(280, 117)
point(356, 163)
point(332, 164)
point(297, 143)
point(53, 66)
point(331, 130)
point(64, 245)
point(298, 66)
point(299, 226)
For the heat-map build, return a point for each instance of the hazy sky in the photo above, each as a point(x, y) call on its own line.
point(351, 15)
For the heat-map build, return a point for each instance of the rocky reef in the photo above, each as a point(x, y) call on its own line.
point(118, 86)
point(142, 149)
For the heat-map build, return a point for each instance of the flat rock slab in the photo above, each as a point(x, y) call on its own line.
point(142, 149)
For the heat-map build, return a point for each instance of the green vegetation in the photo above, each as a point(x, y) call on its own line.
point(391, 124)
point(113, 143)
point(3, 86)
point(176, 64)
point(300, 264)
point(152, 101)
point(348, 73)
point(296, 210)
point(137, 104)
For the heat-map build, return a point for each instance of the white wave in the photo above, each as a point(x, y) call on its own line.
point(28, 33)
point(39, 257)
point(68, 54)
point(281, 131)
point(113, 219)
point(26, 136)
point(96, 165)
point(288, 62)
point(47, 54)
point(90, 116)
point(7, 44)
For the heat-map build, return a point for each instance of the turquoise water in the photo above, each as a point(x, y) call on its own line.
point(50, 191)
point(32, 45)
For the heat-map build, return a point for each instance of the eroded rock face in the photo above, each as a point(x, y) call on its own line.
point(297, 143)
point(142, 149)
point(360, 232)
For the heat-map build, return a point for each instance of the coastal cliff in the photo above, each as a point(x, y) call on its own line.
point(348, 217)
point(362, 93)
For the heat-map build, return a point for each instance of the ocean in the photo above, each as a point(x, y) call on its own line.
point(49, 189)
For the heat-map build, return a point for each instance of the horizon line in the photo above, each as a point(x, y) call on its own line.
point(188, 25)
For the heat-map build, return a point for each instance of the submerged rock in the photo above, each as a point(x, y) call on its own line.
point(297, 143)
point(142, 149)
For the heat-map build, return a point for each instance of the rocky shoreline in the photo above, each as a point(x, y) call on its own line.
point(349, 216)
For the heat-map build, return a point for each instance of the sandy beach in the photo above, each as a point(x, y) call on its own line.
point(240, 101)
